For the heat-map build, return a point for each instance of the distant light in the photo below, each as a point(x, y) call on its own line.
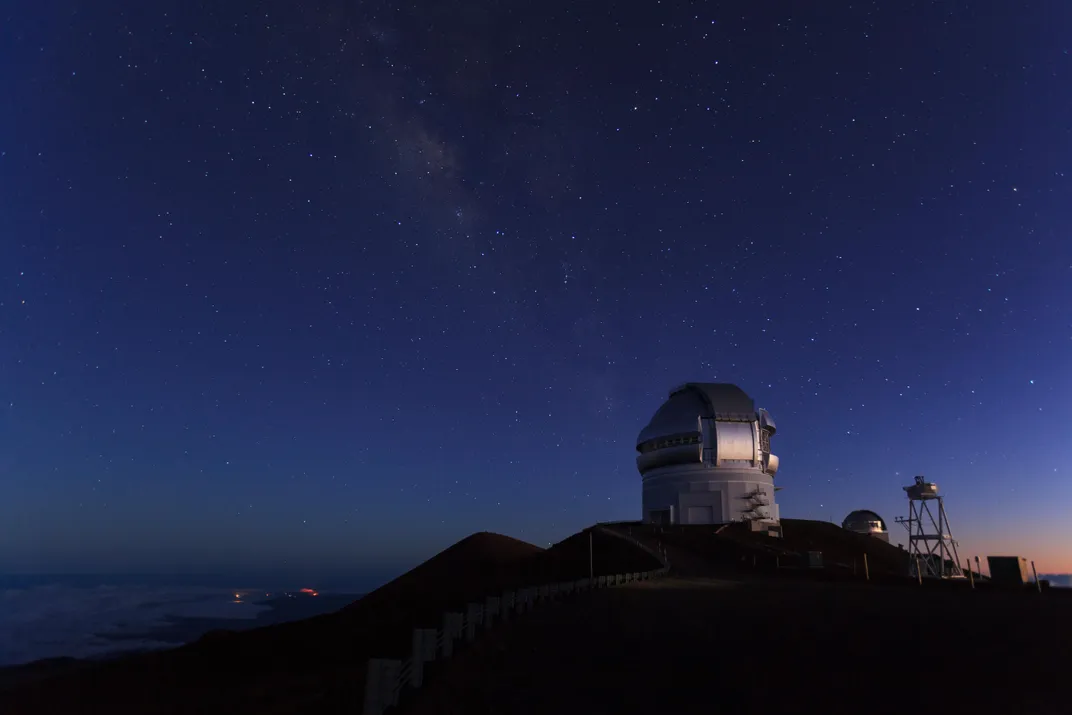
point(1031, 381)
point(238, 595)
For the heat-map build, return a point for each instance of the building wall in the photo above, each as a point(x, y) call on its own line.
point(695, 486)
point(1009, 570)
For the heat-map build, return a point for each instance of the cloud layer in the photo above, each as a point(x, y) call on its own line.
point(1062, 580)
point(54, 620)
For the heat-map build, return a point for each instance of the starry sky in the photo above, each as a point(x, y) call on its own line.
point(329, 285)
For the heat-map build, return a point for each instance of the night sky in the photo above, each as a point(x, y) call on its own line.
point(331, 285)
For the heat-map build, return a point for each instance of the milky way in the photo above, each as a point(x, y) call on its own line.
point(332, 287)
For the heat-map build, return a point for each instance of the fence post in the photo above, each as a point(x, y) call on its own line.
point(491, 609)
point(971, 574)
point(472, 618)
point(381, 680)
point(1038, 584)
point(448, 635)
point(424, 645)
point(590, 562)
point(508, 603)
point(867, 570)
point(416, 670)
point(452, 629)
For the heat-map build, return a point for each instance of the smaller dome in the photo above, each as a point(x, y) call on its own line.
point(864, 521)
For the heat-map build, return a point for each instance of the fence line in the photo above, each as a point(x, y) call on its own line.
point(658, 553)
point(388, 678)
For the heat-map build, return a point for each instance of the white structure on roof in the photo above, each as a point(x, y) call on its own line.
point(705, 459)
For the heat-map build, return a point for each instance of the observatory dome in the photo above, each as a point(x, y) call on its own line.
point(705, 458)
point(865, 521)
point(680, 412)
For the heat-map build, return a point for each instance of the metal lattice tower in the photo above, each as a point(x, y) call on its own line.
point(933, 553)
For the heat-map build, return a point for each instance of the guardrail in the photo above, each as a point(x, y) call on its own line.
point(387, 679)
point(658, 551)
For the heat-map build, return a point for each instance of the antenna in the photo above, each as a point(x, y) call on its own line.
point(933, 553)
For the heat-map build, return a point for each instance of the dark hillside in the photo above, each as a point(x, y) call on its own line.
point(317, 664)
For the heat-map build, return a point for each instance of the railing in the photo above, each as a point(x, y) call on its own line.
point(387, 679)
point(658, 551)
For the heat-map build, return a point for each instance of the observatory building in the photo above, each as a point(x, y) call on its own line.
point(867, 522)
point(705, 459)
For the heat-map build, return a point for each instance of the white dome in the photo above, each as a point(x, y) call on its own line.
point(686, 405)
point(864, 521)
point(705, 458)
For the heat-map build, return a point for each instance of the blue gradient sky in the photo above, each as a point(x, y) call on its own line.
point(331, 288)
